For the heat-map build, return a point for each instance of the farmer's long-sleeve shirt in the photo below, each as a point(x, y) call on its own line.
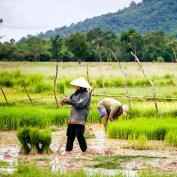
point(80, 107)
point(110, 104)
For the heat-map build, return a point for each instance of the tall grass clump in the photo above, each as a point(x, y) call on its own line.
point(154, 129)
point(61, 87)
point(139, 143)
point(171, 138)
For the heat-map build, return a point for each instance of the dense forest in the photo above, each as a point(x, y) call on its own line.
point(153, 46)
point(149, 15)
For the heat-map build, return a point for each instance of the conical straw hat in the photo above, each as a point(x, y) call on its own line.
point(81, 82)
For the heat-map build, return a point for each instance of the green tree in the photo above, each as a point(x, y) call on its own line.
point(36, 47)
point(77, 43)
point(56, 47)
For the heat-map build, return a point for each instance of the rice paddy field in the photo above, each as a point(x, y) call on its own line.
point(143, 143)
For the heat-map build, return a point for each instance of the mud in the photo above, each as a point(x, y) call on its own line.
point(164, 158)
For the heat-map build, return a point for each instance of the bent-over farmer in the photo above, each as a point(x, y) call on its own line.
point(110, 108)
point(80, 102)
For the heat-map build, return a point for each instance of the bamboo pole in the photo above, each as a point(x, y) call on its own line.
point(26, 91)
point(54, 85)
point(88, 74)
point(4, 95)
point(126, 78)
point(151, 83)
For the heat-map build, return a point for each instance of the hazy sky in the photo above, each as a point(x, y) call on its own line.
point(22, 17)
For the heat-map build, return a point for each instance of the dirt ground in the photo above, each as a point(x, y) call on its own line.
point(158, 157)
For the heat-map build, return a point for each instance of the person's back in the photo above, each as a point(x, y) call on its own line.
point(110, 104)
point(111, 108)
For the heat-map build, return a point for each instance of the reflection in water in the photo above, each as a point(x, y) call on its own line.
point(9, 154)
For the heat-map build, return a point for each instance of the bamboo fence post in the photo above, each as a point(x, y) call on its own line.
point(54, 85)
point(4, 95)
point(88, 73)
point(151, 83)
point(126, 78)
point(26, 91)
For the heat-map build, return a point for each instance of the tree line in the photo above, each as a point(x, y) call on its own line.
point(90, 46)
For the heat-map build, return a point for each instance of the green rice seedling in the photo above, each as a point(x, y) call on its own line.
point(34, 139)
point(61, 87)
point(44, 141)
point(11, 118)
point(171, 138)
point(139, 143)
point(25, 139)
point(118, 82)
point(99, 82)
point(154, 129)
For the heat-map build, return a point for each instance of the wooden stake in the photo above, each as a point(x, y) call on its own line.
point(4, 95)
point(26, 91)
point(126, 78)
point(54, 85)
point(87, 73)
point(151, 83)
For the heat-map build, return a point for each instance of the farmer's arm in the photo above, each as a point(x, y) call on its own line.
point(112, 113)
point(80, 102)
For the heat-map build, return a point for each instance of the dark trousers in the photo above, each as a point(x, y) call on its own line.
point(76, 130)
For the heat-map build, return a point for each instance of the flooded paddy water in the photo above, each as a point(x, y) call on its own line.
point(104, 156)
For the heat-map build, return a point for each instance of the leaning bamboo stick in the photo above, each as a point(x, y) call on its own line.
point(126, 78)
point(54, 85)
point(88, 74)
point(26, 91)
point(4, 95)
point(151, 83)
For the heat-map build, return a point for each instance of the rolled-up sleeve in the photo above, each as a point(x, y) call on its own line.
point(80, 102)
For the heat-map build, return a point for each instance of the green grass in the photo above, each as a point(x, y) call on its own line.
point(33, 171)
point(171, 138)
point(114, 161)
point(13, 117)
point(154, 129)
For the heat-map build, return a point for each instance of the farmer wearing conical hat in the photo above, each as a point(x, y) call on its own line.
point(80, 102)
point(110, 108)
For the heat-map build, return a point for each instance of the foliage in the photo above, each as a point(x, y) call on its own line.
point(153, 46)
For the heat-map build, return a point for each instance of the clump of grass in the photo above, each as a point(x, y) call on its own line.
point(61, 87)
point(34, 139)
point(171, 138)
point(138, 143)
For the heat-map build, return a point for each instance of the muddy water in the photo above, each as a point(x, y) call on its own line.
point(166, 158)
point(9, 154)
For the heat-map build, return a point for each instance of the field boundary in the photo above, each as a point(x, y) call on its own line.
point(96, 95)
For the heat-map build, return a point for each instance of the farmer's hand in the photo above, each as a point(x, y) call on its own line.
point(64, 101)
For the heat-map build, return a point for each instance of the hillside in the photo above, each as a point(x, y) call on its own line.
point(146, 16)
